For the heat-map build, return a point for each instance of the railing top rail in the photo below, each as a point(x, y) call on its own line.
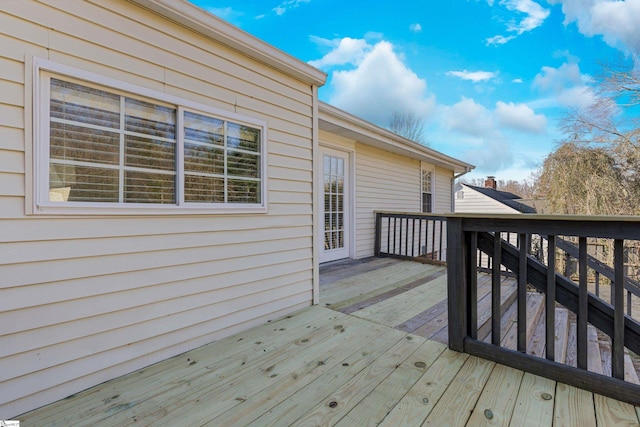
point(441, 216)
point(615, 227)
point(544, 217)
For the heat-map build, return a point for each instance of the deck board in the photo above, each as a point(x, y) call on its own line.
point(323, 367)
point(534, 403)
point(457, 403)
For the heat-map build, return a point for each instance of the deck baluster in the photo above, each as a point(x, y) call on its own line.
point(522, 293)
point(550, 299)
point(495, 289)
point(617, 344)
point(583, 304)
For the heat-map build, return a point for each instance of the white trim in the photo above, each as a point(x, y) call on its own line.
point(349, 202)
point(352, 191)
point(316, 156)
point(40, 203)
point(425, 167)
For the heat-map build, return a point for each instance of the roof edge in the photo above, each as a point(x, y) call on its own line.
point(347, 121)
point(197, 19)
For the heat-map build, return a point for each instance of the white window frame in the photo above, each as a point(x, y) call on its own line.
point(431, 171)
point(44, 69)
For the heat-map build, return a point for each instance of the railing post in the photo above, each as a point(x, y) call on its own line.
point(456, 284)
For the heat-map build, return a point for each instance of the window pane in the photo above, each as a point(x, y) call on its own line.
point(199, 128)
point(426, 202)
point(203, 158)
point(70, 101)
point(149, 153)
point(243, 164)
point(150, 119)
point(78, 143)
point(147, 187)
point(240, 191)
point(243, 137)
point(68, 183)
point(203, 189)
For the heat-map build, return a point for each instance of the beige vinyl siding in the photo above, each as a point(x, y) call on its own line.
point(384, 181)
point(442, 190)
point(475, 202)
point(86, 298)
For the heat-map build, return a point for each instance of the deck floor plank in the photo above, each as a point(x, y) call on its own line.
point(298, 404)
point(371, 410)
point(398, 309)
point(379, 297)
point(338, 360)
point(610, 412)
point(420, 399)
point(532, 409)
point(457, 403)
point(347, 297)
point(498, 399)
point(102, 401)
point(364, 285)
point(203, 399)
point(573, 406)
point(343, 400)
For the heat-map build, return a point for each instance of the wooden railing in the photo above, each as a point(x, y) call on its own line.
point(411, 236)
point(469, 235)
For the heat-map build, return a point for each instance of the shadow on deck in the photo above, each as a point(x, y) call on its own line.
point(371, 354)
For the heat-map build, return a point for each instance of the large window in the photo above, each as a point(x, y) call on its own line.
point(427, 198)
point(103, 147)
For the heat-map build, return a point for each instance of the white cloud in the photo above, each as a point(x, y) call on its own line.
point(516, 81)
point(615, 21)
point(498, 40)
point(287, 5)
point(520, 117)
point(534, 16)
point(415, 28)
point(485, 136)
point(345, 51)
point(378, 84)
point(566, 84)
point(226, 13)
point(470, 118)
point(474, 76)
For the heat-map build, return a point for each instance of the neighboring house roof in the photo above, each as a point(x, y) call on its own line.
point(197, 19)
point(508, 199)
point(334, 120)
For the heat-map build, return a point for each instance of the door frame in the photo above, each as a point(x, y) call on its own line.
point(349, 204)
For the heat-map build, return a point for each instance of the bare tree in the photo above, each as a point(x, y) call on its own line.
point(602, 145)
point(408, 125)
point(583, 180)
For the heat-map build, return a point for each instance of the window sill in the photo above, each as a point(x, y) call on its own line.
point(93, 209)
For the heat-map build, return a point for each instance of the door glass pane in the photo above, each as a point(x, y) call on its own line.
point(334, 171)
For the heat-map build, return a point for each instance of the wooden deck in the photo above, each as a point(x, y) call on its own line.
point(369, 355)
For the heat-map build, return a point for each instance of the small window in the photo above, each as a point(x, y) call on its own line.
point(102, 147)
point(427, 198)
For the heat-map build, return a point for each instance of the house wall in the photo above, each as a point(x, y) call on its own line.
point(475, 202)
point(386, 181)
point(84, 299)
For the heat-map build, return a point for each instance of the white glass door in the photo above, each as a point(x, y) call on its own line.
point(336, 215)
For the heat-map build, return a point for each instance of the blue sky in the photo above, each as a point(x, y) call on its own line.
point(491, 78)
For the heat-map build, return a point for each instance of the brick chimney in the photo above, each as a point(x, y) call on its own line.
point(490, 182)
